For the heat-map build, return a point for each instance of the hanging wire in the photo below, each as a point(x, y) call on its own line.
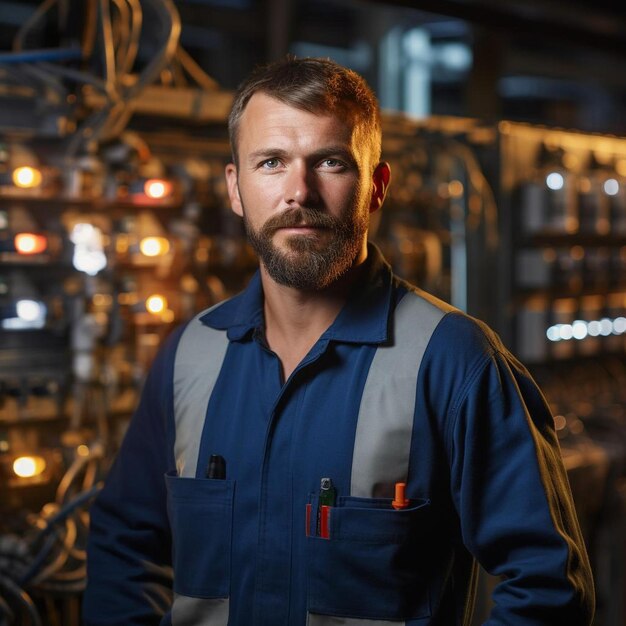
point(136, 19)
point(201, 78)
point(23, 600)
point(121, 32)
point(108, 51)
point(30, 23)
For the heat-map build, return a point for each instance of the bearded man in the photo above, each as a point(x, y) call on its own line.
point(332, 446)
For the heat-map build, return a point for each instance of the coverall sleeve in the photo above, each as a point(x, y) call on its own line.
point(513, 498)
point(128, 554)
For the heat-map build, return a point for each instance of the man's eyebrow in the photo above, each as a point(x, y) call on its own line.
point(324, 152)
point(266, 153)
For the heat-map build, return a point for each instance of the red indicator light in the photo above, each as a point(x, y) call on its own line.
point(156, 188)
point(29, 243)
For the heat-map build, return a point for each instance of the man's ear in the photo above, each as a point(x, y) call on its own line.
point(233, 189)
point(380, 183)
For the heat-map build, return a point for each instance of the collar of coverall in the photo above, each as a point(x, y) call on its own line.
point(363, 319)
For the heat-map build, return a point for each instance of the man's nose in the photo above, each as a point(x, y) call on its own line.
point(301, 186)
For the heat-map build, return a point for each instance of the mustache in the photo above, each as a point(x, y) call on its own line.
point(298, 217)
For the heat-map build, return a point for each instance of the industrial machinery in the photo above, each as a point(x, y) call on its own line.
point(105, 244)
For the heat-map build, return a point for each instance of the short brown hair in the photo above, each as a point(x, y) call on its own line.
point(314, 85)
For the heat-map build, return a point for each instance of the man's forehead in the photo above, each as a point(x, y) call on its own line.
point(266, 104)
point(268, 117)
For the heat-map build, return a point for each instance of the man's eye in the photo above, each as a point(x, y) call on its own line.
point(271, 164)
point(332, 163)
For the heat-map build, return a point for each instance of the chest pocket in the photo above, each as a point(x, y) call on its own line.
point(375, 564)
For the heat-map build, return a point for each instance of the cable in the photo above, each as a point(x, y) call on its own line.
point(168, 13)
point(122, 36)
point(43, 54)
point(195, 71)
point(69, 477)
point(23, 598)
point(59, 560)
point(96, 453)
point(110, 77)
point(68, 588)
point(135, 34)
point(119, 115)
point(75, 75)
point(6, 610)
point(51, 82)
point(42, 9)
point(90, 28)
point(51, 539)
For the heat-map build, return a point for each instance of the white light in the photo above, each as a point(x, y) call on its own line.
point(29, 466)
point(26, 177)
point(156, 303)
point(156, 188)
point(89, 254)
point(566, 332)
point(28, 310)
point(611, 187)
point(579, 329)
point(606, 327)
point(154, 246)
point(555, 181)
point(81, 232)
point(553, 333)
point(455, 56)
point(30, 314)
point(619, 325)
point(593, 328)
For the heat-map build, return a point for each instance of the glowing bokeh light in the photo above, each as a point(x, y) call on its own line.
point(26, 177)
point(154, 246)
point(555, 181)
point(156, 304)
point(30, 243)
point(157, 188)
point(29, 466)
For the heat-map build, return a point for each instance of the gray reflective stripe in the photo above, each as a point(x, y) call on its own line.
point(328, 620)
point(199, 357)
point(188, 611)
point(385, 424)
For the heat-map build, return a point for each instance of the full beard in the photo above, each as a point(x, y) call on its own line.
point(308, 264)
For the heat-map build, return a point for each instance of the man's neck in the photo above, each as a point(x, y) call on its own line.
point(295, 319)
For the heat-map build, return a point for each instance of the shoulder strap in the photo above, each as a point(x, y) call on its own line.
point(199, 357)
point(385, 423)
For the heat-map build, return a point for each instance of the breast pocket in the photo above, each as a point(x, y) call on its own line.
point(201, 514)
point(374, 565)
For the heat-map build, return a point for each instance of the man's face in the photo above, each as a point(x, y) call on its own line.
point(304, 188)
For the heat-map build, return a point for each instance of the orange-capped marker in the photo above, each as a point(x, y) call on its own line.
point(400, 502)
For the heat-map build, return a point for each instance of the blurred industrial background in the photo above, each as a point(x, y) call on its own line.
point(505, 126)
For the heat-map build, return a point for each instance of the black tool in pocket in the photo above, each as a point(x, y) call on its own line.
point(201, 514)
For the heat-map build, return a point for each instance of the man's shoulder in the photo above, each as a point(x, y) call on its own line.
point(420, 298)
point(456, 332)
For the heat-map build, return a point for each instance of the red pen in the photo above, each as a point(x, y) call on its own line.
point(325, 521)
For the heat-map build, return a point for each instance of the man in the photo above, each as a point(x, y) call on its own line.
point(331, 446)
